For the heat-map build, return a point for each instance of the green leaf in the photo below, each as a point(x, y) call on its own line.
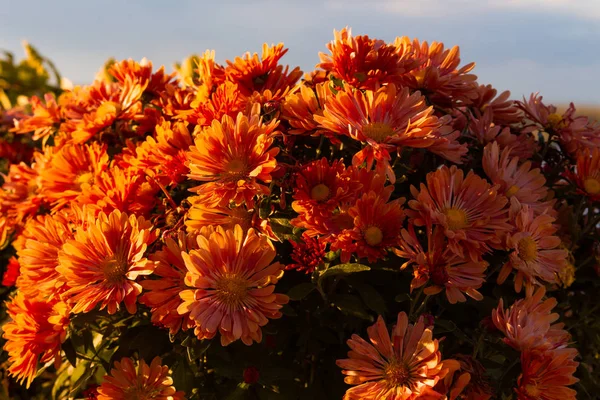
point(350, 304)
point(198, 349)
point(70, 352)
point(300, 291)
point(183, 377)
point(402, 297)
point(81, 374)
point(343, 269)
point(371, 297)
point(282, 222)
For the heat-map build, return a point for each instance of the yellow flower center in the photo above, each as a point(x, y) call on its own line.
point(512, 191)
point(456, 218)
point(378, 131)
point(236, 167)
point(527, 248)
point(396, 374)
point(320, 192)
point(591, 185)
point(232, 290)
point(86, 177)
point(420, 77)
point(114, 268)
point(567, 275)
point(555, 121)
point(373, 236)
point(532, 390)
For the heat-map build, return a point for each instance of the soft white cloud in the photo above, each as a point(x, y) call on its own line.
point(587, 9)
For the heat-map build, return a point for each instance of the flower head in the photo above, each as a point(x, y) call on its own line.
point(234, 283)
point(126, 381)
point(307, 254)
point(404, 366)
point(546, 376)
point(587, 174)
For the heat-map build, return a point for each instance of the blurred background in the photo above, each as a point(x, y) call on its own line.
point(550, 46)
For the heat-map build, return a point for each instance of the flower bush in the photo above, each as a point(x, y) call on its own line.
point(384, 227)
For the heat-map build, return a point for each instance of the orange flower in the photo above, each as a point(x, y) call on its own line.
point(20, 197)
point(44, 121)
point(234, 157)
point(144, 382)
point(162, 294)
point(405, 366)
point(234, 284)
point(535, 253)
point(43, 238)
point(201, 214)
point(12, 272)
point(441, 267)
point(307, 254)
point(502, 110)
point(300, 107)
point(587, 174)
point(386, 120)
point(376, 228)
point(574, 133)
point(363, 62)
point(254, 74)
point(465, 380)
point(471, 212)
point(72, 170)
point(101, 264)
point(527, 324)
point(437, 75)
point(34, 334)
point(525, 184)
point(546, 376)
point(208, 106)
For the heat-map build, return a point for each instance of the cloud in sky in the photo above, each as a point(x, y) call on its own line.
point(522, 45)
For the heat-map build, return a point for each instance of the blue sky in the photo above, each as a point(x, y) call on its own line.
point(550, 46)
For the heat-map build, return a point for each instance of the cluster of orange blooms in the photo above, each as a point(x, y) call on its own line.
point(144, 190)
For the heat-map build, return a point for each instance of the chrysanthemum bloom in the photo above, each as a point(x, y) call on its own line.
point(376, 228)
point(465, 380)
point(70, 171)
point(235, 157)
point(363, 62)
point(43, 240)
point(524, 183)
point(440, 267)
point(527, 324)
point(386, 120)
point(234, 282)
point(20, 196)
point(300, 107)
point(587, 174)
point(402, 367)
point(162, 155)
point(482, 128)
point(162, 293)
point(546, 376)
point(126, 381)
point(535, 251)
point(201, 214)
point(45, 119)
point(502, 110)
point(437, 75)
point(307, 254)
point(35, 333)
point(12, 272)
point(575, 133)
point(254, 74)
point(471, 211)
point(101, 264)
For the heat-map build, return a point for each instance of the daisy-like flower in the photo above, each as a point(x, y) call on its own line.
point(201, 214)
point(535, 250)
point(587, 174)
point(528, 323)
point(43, 238)
point(386, 120)
point(235, 157)
point(45, 119)
point(376, 228)
point(524, 183)
point(101, 264)
point(301, 105)
point(546, 376)
point(363, 62)
point(440, 267)
point(438, 76)
point(70, 171)
point(502, 110)
point(406, 366)
point(234, 283)
point(574, 133)
point(471, 212)
point(465, 380)
point(307, 254)
point(34, 334)
point(126, 381)
point(12, 272)
point(162, 293)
